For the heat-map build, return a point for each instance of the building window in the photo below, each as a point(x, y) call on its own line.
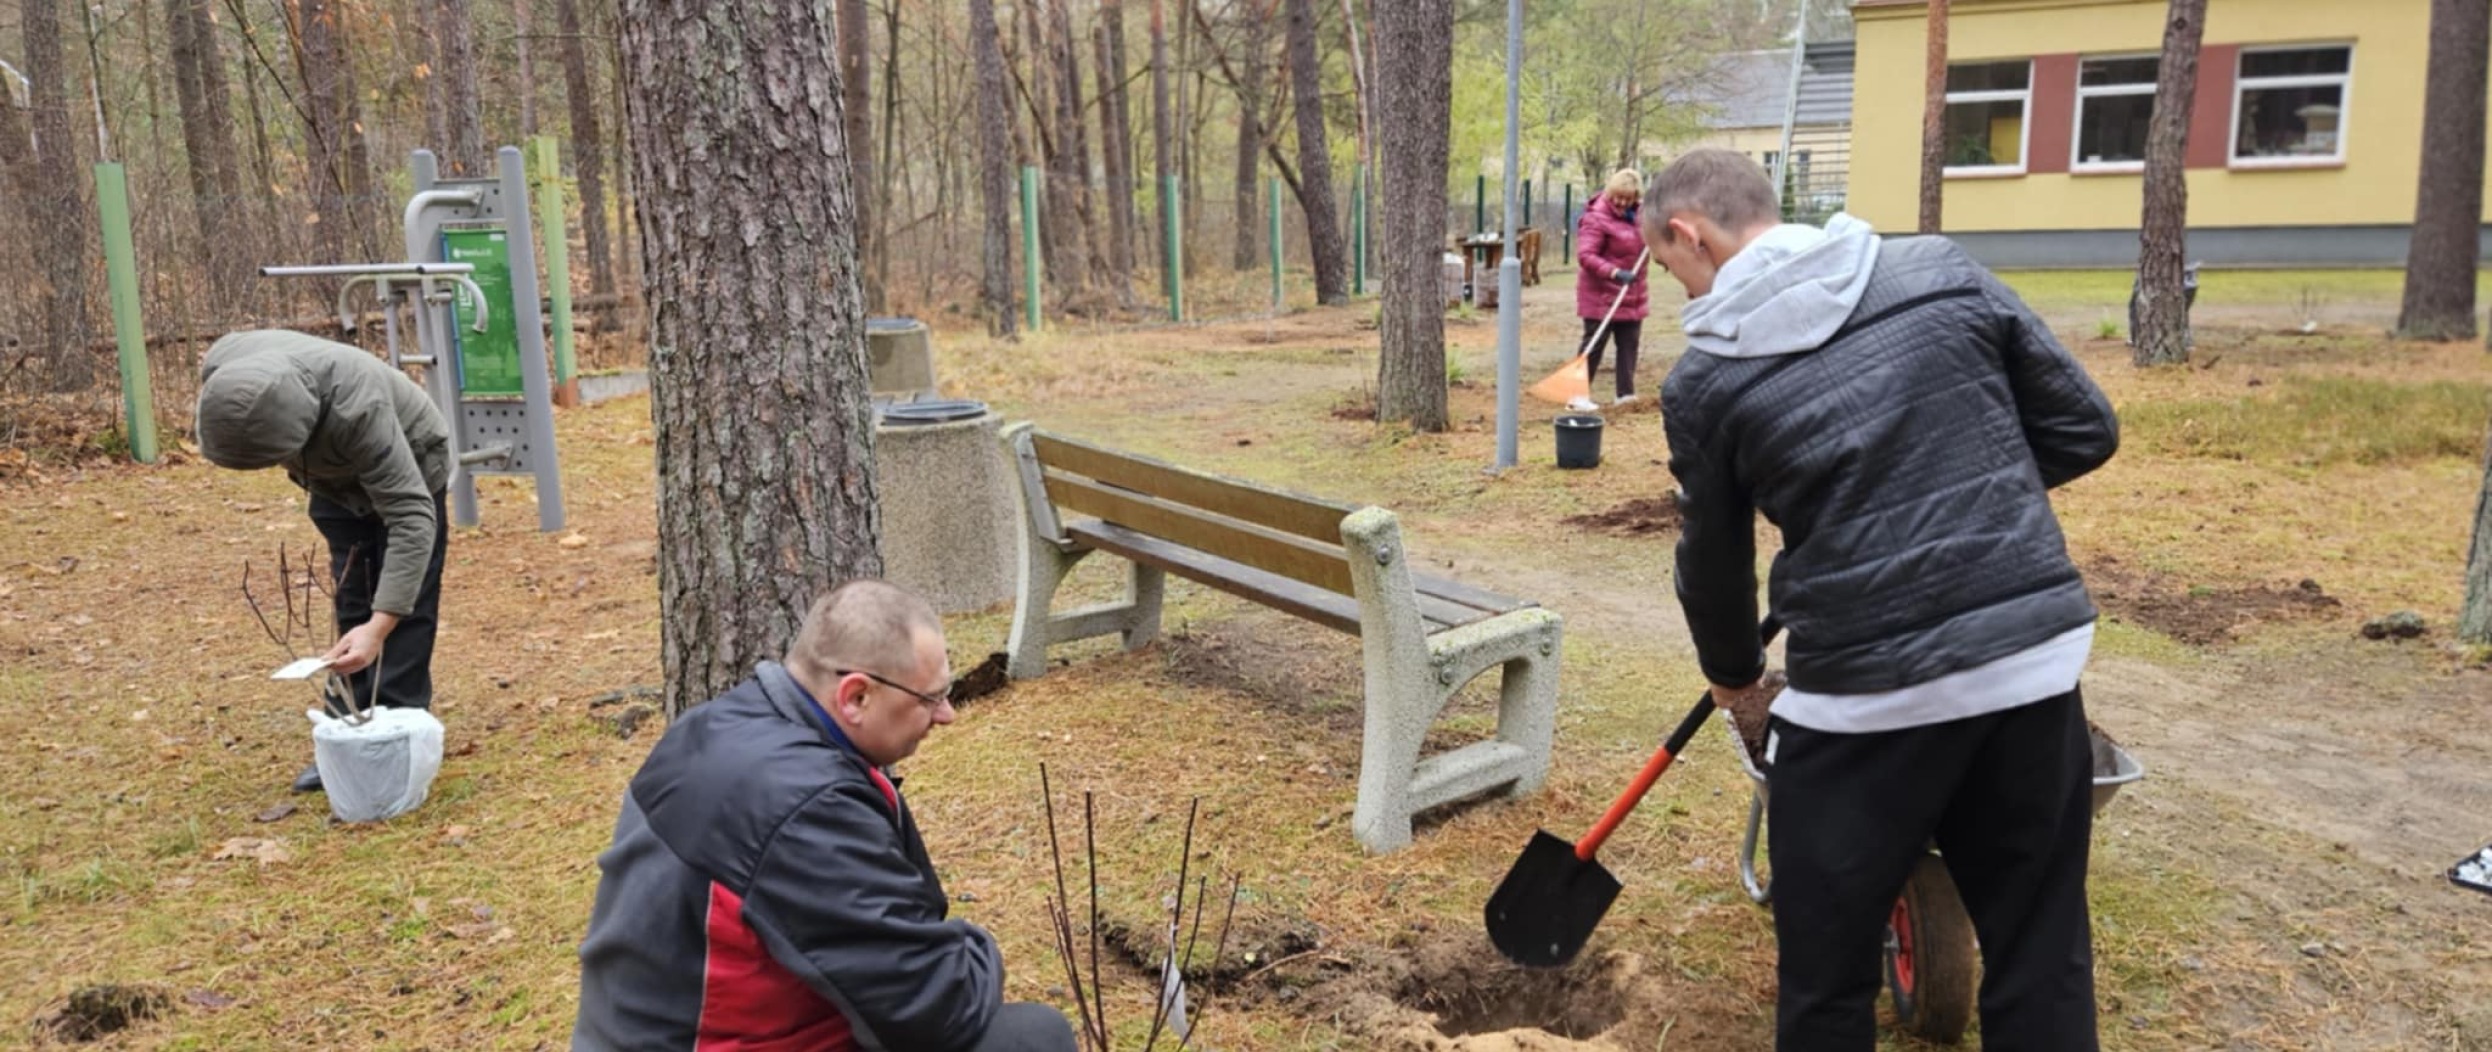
point(2115, 103)
point(1987, 108)
point(2289, 106)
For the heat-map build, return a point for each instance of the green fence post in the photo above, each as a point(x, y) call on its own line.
point(138, 399)
point(1566, 222)
point(1358, 233)
point(1034, 317)
point(1173, 241)
point(1479, 205)
point(1527, 203)
point(1275, 194)
point(545, 169)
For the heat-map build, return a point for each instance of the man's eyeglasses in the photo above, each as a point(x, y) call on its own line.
point(933, 701)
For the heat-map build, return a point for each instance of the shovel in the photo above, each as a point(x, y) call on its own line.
point(1546, 908)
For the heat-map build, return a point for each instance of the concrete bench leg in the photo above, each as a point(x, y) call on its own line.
point(1043, 569)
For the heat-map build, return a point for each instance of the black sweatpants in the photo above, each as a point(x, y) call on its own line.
point(2008, 798)
point(1022, 1026)
point(1629, 334)
point(358, 548)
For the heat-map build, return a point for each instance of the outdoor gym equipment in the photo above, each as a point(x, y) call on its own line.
point(475, 322)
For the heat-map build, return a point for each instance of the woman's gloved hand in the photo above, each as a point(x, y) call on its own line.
point(1622, 276)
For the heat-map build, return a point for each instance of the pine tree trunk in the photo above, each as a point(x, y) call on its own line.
point(1163, 141)
point(856, 42)
point(2474, 620)
point(455, 31)
point(1112, 15)
point(765, 435)
point(1933, 120)
point(1414, 66)
point(995, 170)
point(58, 202)
point(1248, 254)
point(1315, 159)
point(1116, 148)
point(334, 154)
point(523, 31)
point(2448, 206)
point(1068, 174)
point(588, 148)
point(207, 141)
point(2162, 335)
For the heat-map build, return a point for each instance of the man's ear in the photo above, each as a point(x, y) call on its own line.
point(848, 694)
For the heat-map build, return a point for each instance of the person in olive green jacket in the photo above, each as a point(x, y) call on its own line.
point(372, 451)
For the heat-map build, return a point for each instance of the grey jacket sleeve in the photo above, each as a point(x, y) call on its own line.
point(368, 435)
point(840, 905)
point(2068, 422)
point(1717, 555)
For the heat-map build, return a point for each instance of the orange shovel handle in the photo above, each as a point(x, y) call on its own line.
point(1644, 779)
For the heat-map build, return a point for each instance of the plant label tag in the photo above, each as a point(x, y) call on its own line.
point(303, 669)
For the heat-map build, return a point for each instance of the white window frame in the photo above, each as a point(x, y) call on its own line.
point(2076, 124)
point(2024, 124)
point(2343, 82)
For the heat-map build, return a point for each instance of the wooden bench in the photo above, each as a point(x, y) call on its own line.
point(1341, 567)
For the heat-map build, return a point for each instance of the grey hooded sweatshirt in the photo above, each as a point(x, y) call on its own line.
point(345, 425)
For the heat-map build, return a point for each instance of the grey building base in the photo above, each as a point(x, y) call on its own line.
point(2220, 247)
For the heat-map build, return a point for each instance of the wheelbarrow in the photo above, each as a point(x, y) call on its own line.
point(1930, 952)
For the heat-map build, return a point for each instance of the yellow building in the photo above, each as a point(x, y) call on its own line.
point(2304, 143)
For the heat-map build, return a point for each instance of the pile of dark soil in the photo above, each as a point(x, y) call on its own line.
point(1641, 517)
point(2199, 616)
point(96, 1011)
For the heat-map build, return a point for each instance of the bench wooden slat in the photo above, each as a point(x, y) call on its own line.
point(1268, 550)
point(1332, 610)
point(1480, 599)
point(1289, 513)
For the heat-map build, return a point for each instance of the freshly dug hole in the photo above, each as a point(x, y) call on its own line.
point(1484, 995)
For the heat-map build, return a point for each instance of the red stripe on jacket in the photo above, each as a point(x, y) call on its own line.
point(752, 1003)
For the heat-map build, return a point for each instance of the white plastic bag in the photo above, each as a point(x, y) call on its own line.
point(380, 768)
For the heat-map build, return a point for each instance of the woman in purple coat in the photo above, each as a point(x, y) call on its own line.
point(1609, 255)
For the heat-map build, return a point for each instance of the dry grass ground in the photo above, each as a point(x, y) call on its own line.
point(2271, 886)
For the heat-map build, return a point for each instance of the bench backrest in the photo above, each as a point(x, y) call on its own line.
point(1294, 536)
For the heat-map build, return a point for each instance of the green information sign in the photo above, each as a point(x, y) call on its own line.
point(488, 360)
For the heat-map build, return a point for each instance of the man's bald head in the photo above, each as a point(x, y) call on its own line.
point(869, 622)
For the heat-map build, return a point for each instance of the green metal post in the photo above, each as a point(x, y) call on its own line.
point(1358, 234)
point(1172, 241)
point(1566, 222)
point(545, 169)
point(1275, 194)
point(138, 399)
point(1527, 202)
point(1029, 248)
point(1479, 204)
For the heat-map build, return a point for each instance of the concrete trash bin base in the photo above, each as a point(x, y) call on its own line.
point(946, 494)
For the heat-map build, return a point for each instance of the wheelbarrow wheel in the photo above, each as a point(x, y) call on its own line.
point(1930, 955)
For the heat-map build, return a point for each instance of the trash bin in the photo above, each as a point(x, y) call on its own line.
point(899, 358)
point(946, 494)
point(1579, 441)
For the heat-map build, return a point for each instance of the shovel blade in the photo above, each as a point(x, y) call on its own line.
point(1549, 903)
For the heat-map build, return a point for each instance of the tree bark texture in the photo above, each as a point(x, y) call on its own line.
point(339, 163)
point(995, 171)
point(2474, 619)
point(1068, 169)
point(1934, 121)
point(1254, 57)
point(1414, 66)
point(2162, 336)
point(1163, 138)
point(855, 77)
point(2448, 204)
point(757, 366)
point(588, 148)
point(523, 43)
point(1315, 159)
point(57, 201)
point(201, 93)
point(455, 28)
point(1116, 149)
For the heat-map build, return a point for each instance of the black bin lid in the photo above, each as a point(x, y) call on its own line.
point(933, 411)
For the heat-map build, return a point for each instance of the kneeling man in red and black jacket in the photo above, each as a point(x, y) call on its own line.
point(767, 888)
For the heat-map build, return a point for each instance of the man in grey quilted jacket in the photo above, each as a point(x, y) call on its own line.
point(1901, 416)
point(372, 452)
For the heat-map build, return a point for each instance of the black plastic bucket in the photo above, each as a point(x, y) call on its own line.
point(1579, 441)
